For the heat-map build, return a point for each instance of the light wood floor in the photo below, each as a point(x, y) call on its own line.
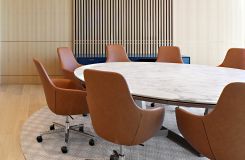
point(17, 103)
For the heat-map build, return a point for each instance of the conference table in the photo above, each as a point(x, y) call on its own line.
point(186, 85)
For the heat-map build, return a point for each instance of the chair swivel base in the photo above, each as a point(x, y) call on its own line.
point(62, 128)
point(81, 127)
point(117, 156)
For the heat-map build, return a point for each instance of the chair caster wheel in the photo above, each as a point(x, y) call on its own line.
point(152, 104)
point(91, 142)
point(81, 129)
point(64, 149)
point(39, 139)
point(51, 127)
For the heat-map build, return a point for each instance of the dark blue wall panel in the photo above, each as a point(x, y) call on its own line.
point(85, 61)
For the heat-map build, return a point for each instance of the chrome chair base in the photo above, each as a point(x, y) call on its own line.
point(118, 156)
point(66, 128)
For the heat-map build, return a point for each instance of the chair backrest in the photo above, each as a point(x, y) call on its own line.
point(116, 53)
point(235, 58)
point(114, 115)
point(67, 59)
point(169, 54)
point(225, 125)
point(48, 86)
point(68, 65)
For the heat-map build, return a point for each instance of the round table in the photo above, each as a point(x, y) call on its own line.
point(169, 83)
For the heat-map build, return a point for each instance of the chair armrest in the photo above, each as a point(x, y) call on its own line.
point(192, 128)
point(71, 101)
point(78, 83)
point(151, 122)
point(64, 83)
point(68, 74)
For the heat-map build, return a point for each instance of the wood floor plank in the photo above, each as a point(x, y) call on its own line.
point(17, 103)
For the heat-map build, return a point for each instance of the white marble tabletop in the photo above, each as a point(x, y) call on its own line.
point(184, 83)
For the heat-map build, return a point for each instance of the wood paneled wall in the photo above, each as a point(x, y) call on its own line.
point(32, 29)
point(206, 29)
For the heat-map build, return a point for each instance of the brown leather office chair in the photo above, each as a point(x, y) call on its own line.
point(63, 99)
point(68, 65)
point(116, 53)
point(235, 58)
point(169, 54)
point(220, 134)
point(114, 114)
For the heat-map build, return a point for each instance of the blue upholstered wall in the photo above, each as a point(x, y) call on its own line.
point(85, 61)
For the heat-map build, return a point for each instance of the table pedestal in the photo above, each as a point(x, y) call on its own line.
point(175, 137)
point(181, 141)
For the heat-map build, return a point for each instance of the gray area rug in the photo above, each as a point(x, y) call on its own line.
point(157, 148)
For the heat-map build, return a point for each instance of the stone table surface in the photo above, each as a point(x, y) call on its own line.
point(186, 83)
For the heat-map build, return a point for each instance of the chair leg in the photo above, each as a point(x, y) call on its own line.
point(40, 137)
point(64, 148)
point(77, 129)
point(152, 104)
point(53, 131)
point(67, 128)
point(121, 155)
point(118, 156)
point(206, 111)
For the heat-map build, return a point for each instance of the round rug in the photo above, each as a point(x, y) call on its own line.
point(157, 148)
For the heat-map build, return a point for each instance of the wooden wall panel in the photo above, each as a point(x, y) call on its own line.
point(131, 23)
point(205, 30)
point(32, 28)
point(17, 57)
point(36, 20)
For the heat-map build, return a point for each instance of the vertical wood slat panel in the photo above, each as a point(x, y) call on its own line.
point(141, 26)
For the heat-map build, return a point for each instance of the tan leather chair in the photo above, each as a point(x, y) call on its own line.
point(235, 58)
point(114, 114)
point(116, 53)
point(68, 65)
point(63, 99)
point(169, 54)
point(220, 134)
